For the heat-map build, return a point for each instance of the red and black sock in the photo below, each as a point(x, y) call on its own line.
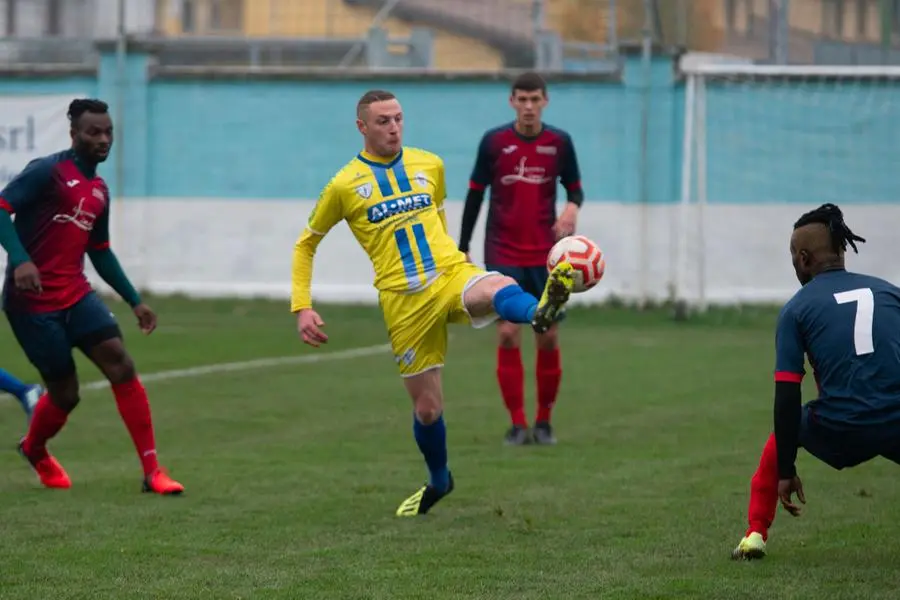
point(511, 377)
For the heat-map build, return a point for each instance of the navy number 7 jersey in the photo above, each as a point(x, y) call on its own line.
point(848, 325)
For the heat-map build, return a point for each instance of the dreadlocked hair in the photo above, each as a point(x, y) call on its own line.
point(832, 217)
point(80, 106)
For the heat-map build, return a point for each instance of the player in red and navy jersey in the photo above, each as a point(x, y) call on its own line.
point(848, 326)
point(61, 207)
point(521, 163)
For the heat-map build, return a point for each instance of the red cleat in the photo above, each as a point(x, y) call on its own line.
point(159, 482)
point(48, 470)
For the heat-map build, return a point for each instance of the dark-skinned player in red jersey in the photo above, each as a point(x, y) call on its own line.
point(521, 162)
point(848, 326)
point(61, 207)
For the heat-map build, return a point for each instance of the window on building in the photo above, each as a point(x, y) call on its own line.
point(10, 18)
point(862, 18)
point(226, 15)
point(833, 18)
point(895, 17)
point(739, 15)
point(730, 16)
point(54, 17)
point(749, 11)
point(188, 16)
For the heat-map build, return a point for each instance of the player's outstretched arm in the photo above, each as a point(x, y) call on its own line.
point(326, 214)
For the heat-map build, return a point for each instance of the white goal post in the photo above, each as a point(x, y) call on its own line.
point(763, 144)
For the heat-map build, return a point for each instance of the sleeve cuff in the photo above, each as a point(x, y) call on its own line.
point(788, 377)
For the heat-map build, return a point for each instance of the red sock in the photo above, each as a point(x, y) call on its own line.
point(46, 421)
point(764, 491)
point(511, 377)
point(549, 374)
point(131, 400)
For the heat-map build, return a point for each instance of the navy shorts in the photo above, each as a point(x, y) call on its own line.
point(845, 448)
point(530, 279)
point(48, 338)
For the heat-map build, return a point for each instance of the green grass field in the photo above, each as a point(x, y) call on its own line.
point(293, 473)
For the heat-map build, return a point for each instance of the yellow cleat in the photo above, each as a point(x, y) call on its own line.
point(751, 547)
point(556, 293)
point(423, 500)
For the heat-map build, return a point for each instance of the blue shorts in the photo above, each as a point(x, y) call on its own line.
point(530, 279)
point(845, 448)
point(48, 338)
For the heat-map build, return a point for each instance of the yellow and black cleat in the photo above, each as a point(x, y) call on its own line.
point(422, 501)
point(751, 547)
point(553, 300)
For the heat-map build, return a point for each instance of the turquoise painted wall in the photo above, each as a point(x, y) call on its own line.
point(790, 142)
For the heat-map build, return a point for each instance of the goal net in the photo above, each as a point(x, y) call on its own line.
point(762, 145)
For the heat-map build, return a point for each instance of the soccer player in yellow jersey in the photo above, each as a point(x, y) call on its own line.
point(393, 200)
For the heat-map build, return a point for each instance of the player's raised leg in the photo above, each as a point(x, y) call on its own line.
point(94, 330)
point(495, 294)
point(26, 394)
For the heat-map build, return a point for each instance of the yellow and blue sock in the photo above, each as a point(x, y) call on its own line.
point(514, 304)
point(432, 442)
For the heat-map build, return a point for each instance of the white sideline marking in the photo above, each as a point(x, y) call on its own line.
point(250, 365)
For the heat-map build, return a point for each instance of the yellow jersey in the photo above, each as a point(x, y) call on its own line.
point(395, 210)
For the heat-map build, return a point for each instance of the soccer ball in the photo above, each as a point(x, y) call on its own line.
point(584, 255)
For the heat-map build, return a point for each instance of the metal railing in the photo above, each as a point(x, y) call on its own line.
point(485, 35)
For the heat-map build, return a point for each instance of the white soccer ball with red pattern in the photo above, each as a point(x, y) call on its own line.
point(584, 255)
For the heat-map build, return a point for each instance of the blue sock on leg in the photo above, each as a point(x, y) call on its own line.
point(432, 442)
point(11, 385)
point(514, 304)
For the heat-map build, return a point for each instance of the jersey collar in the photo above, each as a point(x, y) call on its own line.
point(527, 138)
point(86, 169)
point(375, 161)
